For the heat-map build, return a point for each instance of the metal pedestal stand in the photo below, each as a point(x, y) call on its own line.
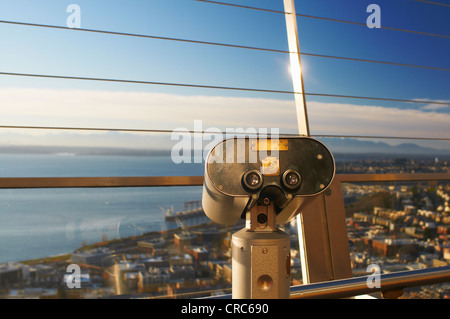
point(261, 257)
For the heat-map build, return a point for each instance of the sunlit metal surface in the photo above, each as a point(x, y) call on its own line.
point(75, 182)
point(296, 68)
point(358, 285)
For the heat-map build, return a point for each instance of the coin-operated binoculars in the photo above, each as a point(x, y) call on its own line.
point(267, 182)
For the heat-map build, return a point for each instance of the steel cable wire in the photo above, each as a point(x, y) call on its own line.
point(256, 134)
point(326, 19)
point(202, 86)
point(155, 37)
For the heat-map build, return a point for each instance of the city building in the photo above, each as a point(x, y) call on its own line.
point(94, 256)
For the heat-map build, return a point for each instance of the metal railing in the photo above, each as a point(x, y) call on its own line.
point(76, 182)
point(359, 285)
point(163, 181)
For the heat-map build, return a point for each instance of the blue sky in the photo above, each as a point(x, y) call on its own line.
point(51, 102)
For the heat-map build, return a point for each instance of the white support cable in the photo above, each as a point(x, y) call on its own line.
point(296, 68)
point(302, 114)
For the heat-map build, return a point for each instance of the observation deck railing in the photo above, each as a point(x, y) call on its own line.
point(340, 288)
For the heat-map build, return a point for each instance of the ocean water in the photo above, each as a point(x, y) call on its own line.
point(36, 223)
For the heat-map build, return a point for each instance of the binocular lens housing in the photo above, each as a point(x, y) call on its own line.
point(252, 180)
point(291, 179)
point(240, 172)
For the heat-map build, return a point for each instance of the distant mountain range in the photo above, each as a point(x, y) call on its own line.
point(354, 146)
point(340, 147)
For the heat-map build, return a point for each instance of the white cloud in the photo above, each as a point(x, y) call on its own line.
point(138, 110)
point(348, 119)
point(142, 110)
point(434, 107)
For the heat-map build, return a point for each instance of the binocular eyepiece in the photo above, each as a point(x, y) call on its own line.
point(285, 172)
